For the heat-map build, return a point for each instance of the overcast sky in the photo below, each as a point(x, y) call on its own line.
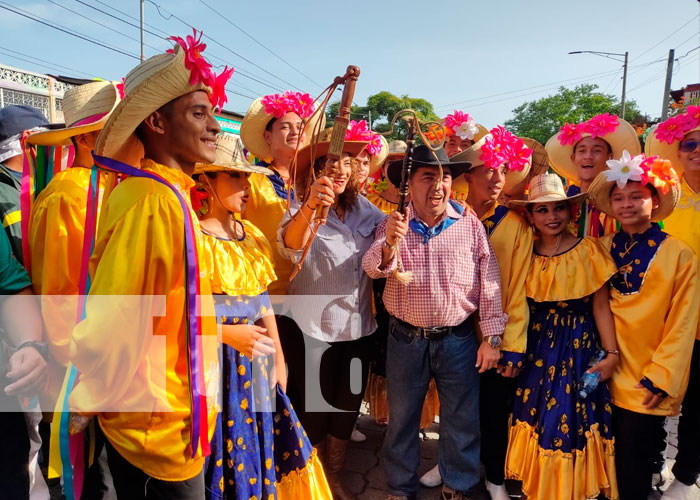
point(484, 58)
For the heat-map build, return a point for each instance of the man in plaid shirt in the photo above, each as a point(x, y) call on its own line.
point(431, 327)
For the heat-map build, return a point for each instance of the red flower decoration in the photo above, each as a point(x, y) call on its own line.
point(502, 147)
point(601, 125)
point(693, 112)
point(120, 88)
point(197, 196)
point(570, 133)
point(200, 68)
point(218, 88)
point(671, 130)
point(279, 105)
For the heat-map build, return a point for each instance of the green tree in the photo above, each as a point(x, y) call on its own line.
point(543, 118)
point(382, 107)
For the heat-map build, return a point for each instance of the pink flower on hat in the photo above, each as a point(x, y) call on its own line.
point(602, 125)
point(200, 68)
point(570, 133)
point(672, 129)
point(120, 88)
point(461, 124)
point(694, 113)
point(218, 88)
point(358, 131)
point(279, 105)
point(503, 147)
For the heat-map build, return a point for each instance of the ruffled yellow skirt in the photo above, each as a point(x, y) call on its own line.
point(308, 483)
point(555, 475)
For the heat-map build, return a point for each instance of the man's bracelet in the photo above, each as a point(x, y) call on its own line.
point(389, 247)
point(612, 351)
point(39, 346)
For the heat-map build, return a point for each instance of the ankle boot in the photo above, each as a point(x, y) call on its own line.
point(333, 466)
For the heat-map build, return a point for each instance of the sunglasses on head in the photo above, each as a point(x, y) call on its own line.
point(688, 146)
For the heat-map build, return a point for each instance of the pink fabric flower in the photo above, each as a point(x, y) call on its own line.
point(502, 147)
point(279, 105)
point(602, 125)
point(693, 112)
point(200, 68)
point(120, 88)
point(358, 131)
point(218, 88)
point(455, 119)
point(671, 130)
point(570, 133)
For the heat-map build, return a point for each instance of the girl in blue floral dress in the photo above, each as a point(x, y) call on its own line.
point(259, 448)
point(560, 444)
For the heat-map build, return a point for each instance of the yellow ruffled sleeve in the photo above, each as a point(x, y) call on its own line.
point(575, 274)
point(512, 243)
point(239, 267)
point(56, 232)
point(384, 205)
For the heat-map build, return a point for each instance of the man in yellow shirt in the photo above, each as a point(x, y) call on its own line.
point(144, 369)
point(55, 240)
point(683, 151)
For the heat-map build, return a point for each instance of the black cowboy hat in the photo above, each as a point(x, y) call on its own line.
point(424, 157)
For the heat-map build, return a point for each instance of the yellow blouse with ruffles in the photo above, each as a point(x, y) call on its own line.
point(56, 231)
point(385, 206)
point(684, 222)
point(131, 351)
point(574, 274)
point(655, 328)
point(239, 267)
point(265, 210)
point(512, 241)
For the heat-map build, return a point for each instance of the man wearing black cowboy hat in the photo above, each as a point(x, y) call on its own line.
point(431, 326)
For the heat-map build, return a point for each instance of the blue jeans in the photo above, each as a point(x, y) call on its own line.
point(411, 362)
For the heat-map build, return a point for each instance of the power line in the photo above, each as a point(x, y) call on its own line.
point(666, 38)
point(158, 7)
point(260, 43)
point(165, 34)
point(36, 60)
point(68, 32)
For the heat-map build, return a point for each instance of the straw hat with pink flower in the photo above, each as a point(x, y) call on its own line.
point(618, 133)
point(665, 138)
point(499, 147)
point(154, 83)
point(377, 147)
point(652, 170)
point(270, 107)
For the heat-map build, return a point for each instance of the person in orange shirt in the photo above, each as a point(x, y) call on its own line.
point(144, 369)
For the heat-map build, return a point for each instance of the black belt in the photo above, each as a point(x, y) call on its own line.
point(435, 333)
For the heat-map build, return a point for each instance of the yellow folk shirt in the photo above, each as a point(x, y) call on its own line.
point(56, 231)
point(684, 222)
point(265, 209)
point(139, 251)
point(655, 326)
point(511, 239)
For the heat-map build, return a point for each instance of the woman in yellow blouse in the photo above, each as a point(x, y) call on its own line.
point(654, 298)
point(257, 451)
point(560, 444)
point(684, 224)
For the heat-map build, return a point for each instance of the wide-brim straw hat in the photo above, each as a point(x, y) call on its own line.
point(255, 122)
point(149, 86)
point(600, 190)
point(539, 164)
point(666, 151)
point(546, 188)
point(86, 108)
point(483, 131)
point(624, 137)
point(375, 161)
point(230, 157)
point(471, 154)
point(319, 150)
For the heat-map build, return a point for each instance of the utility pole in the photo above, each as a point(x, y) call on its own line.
point(143, 54)
point(369, 117)
point(624, 86)
point(667, 86)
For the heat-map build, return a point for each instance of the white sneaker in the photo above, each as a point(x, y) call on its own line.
point(432, 478)
point(357, 436)
point(680, 491)
point(497, 491)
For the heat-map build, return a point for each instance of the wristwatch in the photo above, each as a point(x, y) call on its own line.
point(494, 341)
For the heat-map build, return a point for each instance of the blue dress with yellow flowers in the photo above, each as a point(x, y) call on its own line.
point(259, 448)
point(561, 445)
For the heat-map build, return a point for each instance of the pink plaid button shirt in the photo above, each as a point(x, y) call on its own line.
point(454, 274)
